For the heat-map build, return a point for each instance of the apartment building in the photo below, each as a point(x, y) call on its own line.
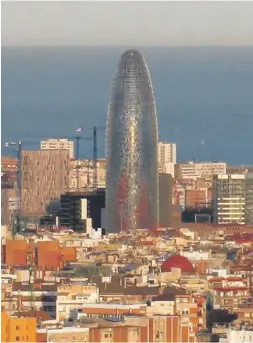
point(229, 293)
point(81, 174)
point(17, 329)
point(229, 198)
point(58, 144)
point(44, 179)
point(195, 170)
point(167, 157)
point(70, 298)
point(9, 164)
point(9, 204)
point(167, 152)
point(249, 199)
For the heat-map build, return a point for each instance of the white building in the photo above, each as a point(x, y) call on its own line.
point(70, 298)
point(195, 170)
point(58, 144)
point(244, 334)
point(167, 157)
point(229, 198)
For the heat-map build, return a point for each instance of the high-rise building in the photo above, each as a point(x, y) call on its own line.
point(132, 164)
point(167, 153)
point(58, 144)
point(81, 210)
point(229, 198)
point(44, 178)
point(165, 200)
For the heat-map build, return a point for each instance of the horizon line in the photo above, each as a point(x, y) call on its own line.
point(124, 46)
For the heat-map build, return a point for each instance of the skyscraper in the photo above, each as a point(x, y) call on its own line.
point(132, 138)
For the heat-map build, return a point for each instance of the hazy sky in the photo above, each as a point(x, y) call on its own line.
point(127, 23)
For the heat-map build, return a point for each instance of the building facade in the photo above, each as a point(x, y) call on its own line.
point(58, 144)
point(249, 199)
point(80, 210)
point(167, 157)
point(131, 140)
point(195, 170)
point(44, 178)
point(165, 200)
point(229, 199)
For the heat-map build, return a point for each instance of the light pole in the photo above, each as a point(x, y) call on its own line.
point(16, 226)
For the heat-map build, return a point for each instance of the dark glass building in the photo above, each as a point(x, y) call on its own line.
point(132, 168)
point(77, 207)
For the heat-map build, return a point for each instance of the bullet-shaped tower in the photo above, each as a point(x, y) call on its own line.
point(131, 148)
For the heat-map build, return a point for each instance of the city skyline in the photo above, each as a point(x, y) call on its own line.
point(131, 148)
point(170, 23)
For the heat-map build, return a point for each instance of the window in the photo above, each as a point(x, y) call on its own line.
point(17, 338)
point(106, 335)
point(17, 328)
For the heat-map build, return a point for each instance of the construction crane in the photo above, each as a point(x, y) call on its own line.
point(95, 153)
point(18, 187)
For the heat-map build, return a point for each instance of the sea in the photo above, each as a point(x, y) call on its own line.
point(204, 97)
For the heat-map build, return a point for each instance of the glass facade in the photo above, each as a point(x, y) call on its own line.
point(131, 143)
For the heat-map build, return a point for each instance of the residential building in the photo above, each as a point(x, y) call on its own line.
point(167, 157)
point(58, 144)
point(81, 174)
point(194, 170)
point(229, 198)
point(249, 199)
point(44, 179)
point(8, 164)
point(17, 329)
point(242, 333)
point(167, 153)
point(72, 297)
point(9, 203)
point(67, 334)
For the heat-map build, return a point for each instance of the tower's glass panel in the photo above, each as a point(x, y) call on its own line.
point(132, 170)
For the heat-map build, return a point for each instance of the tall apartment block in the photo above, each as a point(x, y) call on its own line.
point(167, 157)
point(58, 144)
point(44, 178)
point(229, 198)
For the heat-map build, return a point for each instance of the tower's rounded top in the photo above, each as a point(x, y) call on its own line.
point(131, 54)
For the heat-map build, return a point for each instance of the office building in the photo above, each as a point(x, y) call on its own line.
point(81, 211)
point(44, 178)
point(131, 139)
point(58, 144)
point(229, 199)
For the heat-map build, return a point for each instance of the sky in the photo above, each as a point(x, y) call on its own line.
point(127, 23)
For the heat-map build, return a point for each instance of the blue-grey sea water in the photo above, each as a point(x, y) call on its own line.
point(204, 97)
